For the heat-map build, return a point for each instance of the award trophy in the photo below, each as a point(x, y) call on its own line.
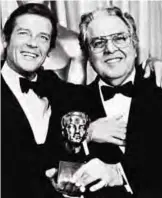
point(74, 130)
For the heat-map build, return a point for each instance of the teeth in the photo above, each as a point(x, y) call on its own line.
point(113, 60)
point(32, 55)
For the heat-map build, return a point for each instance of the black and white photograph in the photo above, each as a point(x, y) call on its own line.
point(81, 98)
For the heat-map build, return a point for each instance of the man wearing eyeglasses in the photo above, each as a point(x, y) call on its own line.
point(130, 156)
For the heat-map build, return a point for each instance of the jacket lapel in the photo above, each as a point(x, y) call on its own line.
point(8, 97)
point(140, 117)
point(99, 109)
point(11, 105)
point(139, 88)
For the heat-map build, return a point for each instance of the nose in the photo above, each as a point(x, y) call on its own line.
point(32, 42)
point(110, 47)
point(77, 129)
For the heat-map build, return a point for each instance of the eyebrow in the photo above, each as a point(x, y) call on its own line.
point(46, 34)
point(118, 33)
point(19, 29)
point(42, 33)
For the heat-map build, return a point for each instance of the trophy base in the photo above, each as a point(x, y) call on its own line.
point(65, 173)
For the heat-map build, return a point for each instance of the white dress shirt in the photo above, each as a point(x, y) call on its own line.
point(37, 110)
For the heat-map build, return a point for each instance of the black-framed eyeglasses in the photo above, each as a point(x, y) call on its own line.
point(119, 40)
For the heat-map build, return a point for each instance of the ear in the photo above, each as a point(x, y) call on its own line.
point(136, 55)
point(4, 42)
point(3, 47)
point(48, 53)
point(136, 48)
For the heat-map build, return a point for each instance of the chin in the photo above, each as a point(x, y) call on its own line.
point(114, 80)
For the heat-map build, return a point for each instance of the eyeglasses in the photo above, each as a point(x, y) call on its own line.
point(119, 40)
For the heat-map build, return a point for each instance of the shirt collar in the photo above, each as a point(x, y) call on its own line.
point(11, 77)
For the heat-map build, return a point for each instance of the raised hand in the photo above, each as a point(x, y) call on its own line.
point(154, 65)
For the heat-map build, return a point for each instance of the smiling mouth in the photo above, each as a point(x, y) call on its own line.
point(113, 60)
point(29, 55)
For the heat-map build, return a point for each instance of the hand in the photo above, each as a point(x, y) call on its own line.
point(154, 64)
point(106, 130)
point(66, 187)
point(99, 172)
point(52, 175)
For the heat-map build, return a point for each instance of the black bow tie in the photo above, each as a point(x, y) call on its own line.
point(27, 84)
point(109, 92)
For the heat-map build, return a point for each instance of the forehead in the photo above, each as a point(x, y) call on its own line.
point(33, 1)
point(104, 25)
point(77, 119)
point(34, 22)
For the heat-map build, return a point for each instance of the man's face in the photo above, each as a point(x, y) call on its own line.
point(29, 43)
point(113, 65)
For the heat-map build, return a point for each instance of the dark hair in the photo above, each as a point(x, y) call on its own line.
point(30, 8)
point(86, 19)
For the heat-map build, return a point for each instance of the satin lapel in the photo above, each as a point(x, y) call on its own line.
point(9, 97)
point(99, 109)
point(9, 100)
point(134, 114)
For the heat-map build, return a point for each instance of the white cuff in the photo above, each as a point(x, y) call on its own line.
point(121, 171)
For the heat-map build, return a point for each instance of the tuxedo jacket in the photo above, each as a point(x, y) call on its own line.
point(20, 153)
point(141, 160)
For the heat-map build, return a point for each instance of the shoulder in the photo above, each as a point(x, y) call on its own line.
point(52, 83)
point(48, 76)
point(151, 88)
point(146, 85)
point(148, 97)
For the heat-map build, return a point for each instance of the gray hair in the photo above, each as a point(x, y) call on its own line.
point(86, 19)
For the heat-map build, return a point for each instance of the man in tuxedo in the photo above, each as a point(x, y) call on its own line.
point(30, 33)
point(29, 96)
point(109, 39)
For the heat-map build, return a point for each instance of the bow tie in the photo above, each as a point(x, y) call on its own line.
point(27, 84)
point(109, 92)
